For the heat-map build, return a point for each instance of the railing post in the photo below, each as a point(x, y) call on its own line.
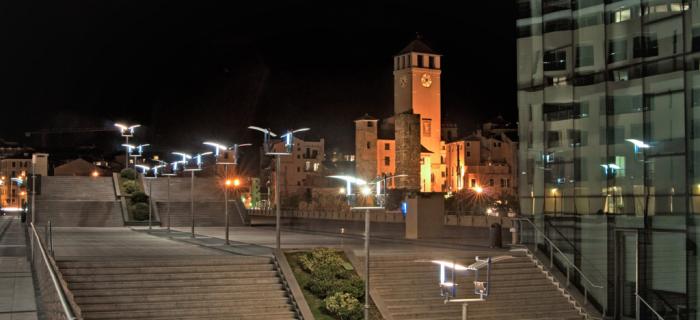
point(567, 276)
point(51, 239)
point(551, 255)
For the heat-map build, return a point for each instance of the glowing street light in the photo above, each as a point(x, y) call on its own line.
point(288, 140)
point(127, 131)
point(225, 160)
point(186, 158)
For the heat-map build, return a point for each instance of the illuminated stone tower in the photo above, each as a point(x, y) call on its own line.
point(417, 90)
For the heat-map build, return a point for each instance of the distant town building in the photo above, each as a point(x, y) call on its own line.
point(82, 167)
point(14, 178)
point(486, 159)
point(296, 169)
point(408, 143)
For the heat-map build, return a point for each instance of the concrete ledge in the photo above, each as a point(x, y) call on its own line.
point(293, 286)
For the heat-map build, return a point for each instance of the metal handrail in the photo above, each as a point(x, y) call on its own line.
point(640, 299)
point(551, 243)
point(67, 309)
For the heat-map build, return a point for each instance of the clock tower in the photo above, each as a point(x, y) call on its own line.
point(417, 91)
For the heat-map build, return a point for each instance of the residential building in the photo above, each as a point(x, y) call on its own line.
point(295, 170)
point(15, 174)
point(609, 147)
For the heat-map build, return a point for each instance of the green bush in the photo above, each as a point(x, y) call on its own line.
point(354, 286)
point(129, 174)
point(130, 186)
point(139, 196)
point(139, 211)
point(343, 305)
point(322, 260)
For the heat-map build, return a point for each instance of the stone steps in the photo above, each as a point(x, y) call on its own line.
point(201, 287)
point(79, 213)
point(409, 287)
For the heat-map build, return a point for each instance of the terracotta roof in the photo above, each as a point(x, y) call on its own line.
point(418, 45)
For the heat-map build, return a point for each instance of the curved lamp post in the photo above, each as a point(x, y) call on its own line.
point(186, 158)
point(127, 131)
point(288, 140)
point(218, 147)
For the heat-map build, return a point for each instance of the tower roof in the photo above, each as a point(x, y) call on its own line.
point(418, 45)
point(366, 117)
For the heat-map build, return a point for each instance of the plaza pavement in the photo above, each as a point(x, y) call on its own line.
point(17, 294)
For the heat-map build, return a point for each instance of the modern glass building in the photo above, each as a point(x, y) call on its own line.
point(609, 124)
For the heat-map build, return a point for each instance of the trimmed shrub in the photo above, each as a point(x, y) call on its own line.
point(130, 186)
point(138, 197)
point(139, 211)
point(343, 305)
point(129, 174)
point(322, 260)
point(354, 286)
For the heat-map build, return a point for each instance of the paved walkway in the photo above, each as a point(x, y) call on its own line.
point(17, 295)
point(95, 243)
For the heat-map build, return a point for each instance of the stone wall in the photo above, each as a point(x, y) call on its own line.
point(408, 150)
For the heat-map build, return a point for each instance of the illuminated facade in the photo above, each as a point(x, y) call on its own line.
point(484, 159)
point(306, 160)
point(404, 145)
point(14, 176)
point(609, 125)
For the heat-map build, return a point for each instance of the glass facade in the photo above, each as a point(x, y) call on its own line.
point(609, 100)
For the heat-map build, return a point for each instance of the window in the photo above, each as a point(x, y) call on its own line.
point(473, 183)
point(645, 46)
point(442, 160)
point(469, 154)
point(503, 183)
point(387, 161)
point(420, 61)
point(426, 127)
point(369, 145)
point(432, 177)
point(298, 169)
point(621, 15)
point(370, 124)
point(443, 174)
point(13, 164)
point(431, 62)
point(468, 144)
point(584, 56)
point(554, 60)
point(387, 146)
point(552, 138)
point(491, 182)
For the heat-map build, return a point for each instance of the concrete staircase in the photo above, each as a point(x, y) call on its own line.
point(77, 188)
point(207, 214)
point(78, 202)
point(409, 289)
point(195, 287)
point(81, 213)
point(205, 189)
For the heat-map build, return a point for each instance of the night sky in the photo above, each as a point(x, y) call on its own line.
point(206, 70)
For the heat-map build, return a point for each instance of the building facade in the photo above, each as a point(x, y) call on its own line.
point(610, 146)
point(408, 143)
point(485, 160)
point(297, 170)
point(15, 174)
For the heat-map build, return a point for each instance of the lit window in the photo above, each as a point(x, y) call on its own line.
point(473, 183)
point(426, 127)
point(622, 15)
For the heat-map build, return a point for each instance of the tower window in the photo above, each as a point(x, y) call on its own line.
point(387, 161)
point(431, 62)
point(426, 127)
point(370, 124)
point(387, 146)
point(369, 145)
point(420, 61)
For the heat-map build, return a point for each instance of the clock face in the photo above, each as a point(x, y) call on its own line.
point(426, 80)
point(403, 81)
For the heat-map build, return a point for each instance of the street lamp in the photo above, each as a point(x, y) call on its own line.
point(365, 191)
point(197, 167)
point(226, 160)
point(35, 157)
point(127, 131)
point(288, 140)
point(169, 173)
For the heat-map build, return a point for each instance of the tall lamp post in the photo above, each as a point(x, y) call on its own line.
point(192, 169)
point(170, 173)
point(150, 189)
point(288, 140)
point(127, 132)
point(226, 158)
